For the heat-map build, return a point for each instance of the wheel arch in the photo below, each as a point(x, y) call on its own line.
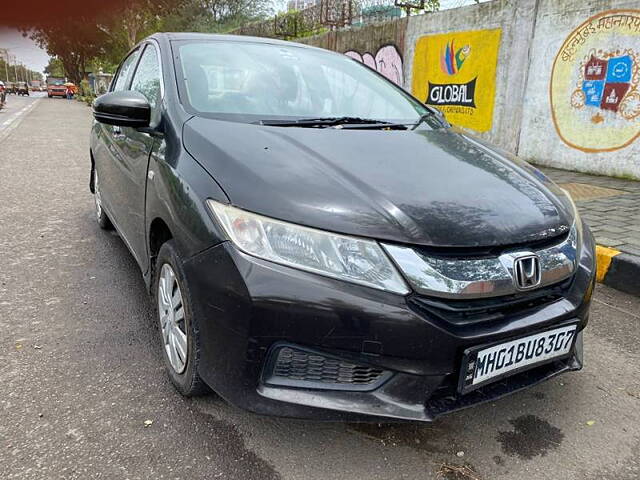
point(159, 233)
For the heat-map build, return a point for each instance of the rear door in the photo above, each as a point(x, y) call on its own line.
point(135, 148)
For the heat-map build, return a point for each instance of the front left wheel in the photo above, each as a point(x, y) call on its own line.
point(178, 327)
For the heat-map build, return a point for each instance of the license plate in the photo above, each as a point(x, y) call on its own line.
point(484, 365)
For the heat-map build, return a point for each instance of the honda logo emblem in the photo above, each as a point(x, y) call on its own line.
point(526, 272)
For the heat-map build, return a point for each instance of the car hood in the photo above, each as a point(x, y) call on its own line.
point(424, 187)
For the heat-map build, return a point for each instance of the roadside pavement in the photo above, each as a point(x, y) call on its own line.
point(611, 207)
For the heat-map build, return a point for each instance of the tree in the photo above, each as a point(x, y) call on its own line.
point(213, 16)
point(75, 42)
point(127, 24)
point(101, 39)
point(55, 68)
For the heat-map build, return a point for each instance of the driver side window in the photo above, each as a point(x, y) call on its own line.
point(146, 80)
point(124, 71)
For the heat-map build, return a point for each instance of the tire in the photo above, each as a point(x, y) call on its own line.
point(101, 216)
point(173, 316)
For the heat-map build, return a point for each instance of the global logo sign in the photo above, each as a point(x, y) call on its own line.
point(456, 72)
point(452, 94)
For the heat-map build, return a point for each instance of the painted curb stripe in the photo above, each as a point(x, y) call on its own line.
point(624, 273)
point(604, 256)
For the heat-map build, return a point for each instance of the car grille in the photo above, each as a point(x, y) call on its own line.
point(299, 368)
point(466, 312)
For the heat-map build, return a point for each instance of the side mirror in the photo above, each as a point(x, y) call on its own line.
point(123, 109)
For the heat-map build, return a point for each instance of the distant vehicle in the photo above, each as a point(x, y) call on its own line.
point(22, 88)
point(56, 87)
point(10, 87)
point(35, 86)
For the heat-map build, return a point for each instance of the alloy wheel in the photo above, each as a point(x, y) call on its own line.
point(172, 321)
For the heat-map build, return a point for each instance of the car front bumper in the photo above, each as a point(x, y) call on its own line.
point(246, 309)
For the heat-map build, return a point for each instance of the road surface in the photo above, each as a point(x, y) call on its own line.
point(15, 109)
point(81, 369)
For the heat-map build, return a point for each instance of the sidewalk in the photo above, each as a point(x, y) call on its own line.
point(611, 207)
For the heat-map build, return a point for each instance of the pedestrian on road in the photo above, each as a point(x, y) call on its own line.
point(3, 95)
point(69, 92)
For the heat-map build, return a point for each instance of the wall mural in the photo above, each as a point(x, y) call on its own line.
point(595, 83)
point(456, 72)
point(386, 61)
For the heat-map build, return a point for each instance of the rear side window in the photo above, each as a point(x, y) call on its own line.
point(124, 71)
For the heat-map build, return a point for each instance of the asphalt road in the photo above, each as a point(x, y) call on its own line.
point(81, 369)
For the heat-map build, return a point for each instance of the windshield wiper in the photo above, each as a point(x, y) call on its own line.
point(430, 114)
point(337, 122)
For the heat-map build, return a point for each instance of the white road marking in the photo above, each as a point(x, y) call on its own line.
point(14, 120)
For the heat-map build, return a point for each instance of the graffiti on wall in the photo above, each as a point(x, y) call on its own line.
point(595, 83)
point(386, 61)
point(456, 72)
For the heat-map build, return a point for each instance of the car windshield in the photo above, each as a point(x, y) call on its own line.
point(247, 81)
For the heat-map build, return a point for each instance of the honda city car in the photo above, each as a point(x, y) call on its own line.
point(320, 244)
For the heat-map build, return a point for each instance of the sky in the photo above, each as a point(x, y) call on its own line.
point(26, 51)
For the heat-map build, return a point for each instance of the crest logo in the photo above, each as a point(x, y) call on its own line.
point(595, 83)
point(608, 84)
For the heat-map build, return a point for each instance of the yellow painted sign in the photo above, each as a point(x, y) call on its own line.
point(456, 72)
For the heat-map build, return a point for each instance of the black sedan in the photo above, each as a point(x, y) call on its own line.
point(320, 244)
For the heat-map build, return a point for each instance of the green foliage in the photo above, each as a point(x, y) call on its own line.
point(86, 99)
point(85, 89)
point(215, 16)
point(55, 68)
point(74, 42)
point(87, 42)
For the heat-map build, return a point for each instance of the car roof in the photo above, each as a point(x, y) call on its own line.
point(176, 36)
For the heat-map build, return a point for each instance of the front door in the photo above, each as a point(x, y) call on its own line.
point(107, 152)
point(135, 148)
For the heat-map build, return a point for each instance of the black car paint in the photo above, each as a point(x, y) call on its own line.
point(357, 182)
point(247, 305)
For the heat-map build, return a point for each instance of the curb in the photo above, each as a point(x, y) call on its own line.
point(618, 270)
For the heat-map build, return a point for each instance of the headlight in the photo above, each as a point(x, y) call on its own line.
point(338, 256)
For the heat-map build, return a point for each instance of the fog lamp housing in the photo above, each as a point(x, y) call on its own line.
point(298, 367)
